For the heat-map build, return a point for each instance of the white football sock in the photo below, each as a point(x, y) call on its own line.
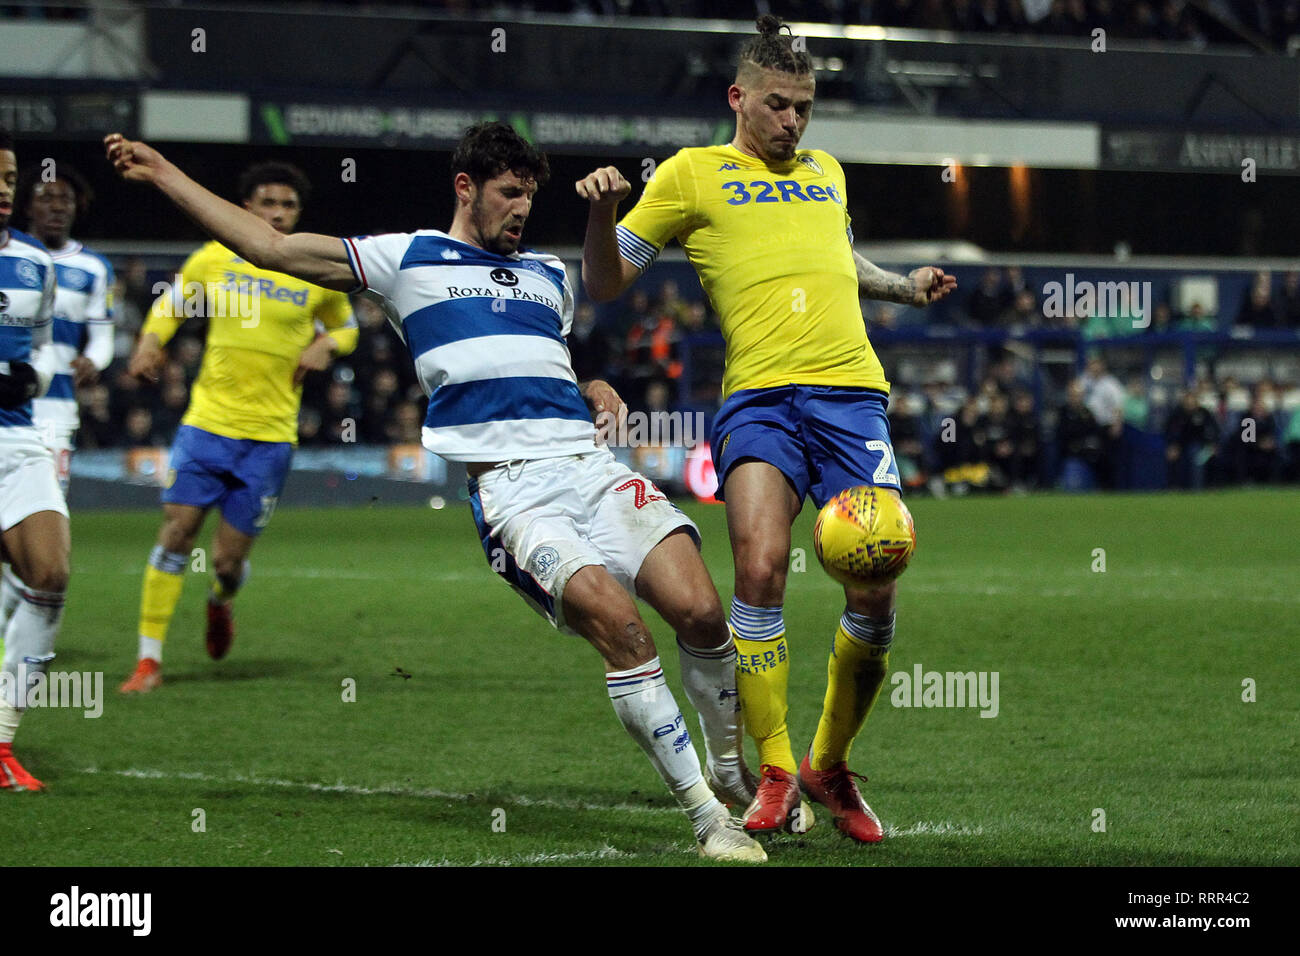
point(9, 717)
point(709, 677)
point(151, 647)
point(29, 648)
point(646, 708)
point(9, 597)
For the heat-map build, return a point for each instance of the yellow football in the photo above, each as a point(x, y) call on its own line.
point(864, 536)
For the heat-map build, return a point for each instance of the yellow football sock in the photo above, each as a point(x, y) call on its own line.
point(762, 676)
point(854, 676)
point(163, 578)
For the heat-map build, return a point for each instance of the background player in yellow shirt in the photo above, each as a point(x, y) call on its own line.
point(766, 227)
point(236, 440)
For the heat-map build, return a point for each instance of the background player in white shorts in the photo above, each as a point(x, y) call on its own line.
point(82, 332)
point(572, 529)
point(34, 535)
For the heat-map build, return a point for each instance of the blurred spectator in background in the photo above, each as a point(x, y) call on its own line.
point(653, 350)
point(1253, 448)
point(1190, 436)
point(377, 407)
point(1289, 301)
point(907, 427)
point(1023, 313)
point(1196, 320)
point(405, 424)
point(988, 300)
point(98, 430)
point(168, 414)
point(588, 345)
point(1162, 318)
point(188, 352)
point(1257, 309)
point(636, 310)
point(1291, 447)
point(139, 429)
point(1104, 396)
point(997, 442)
point(1078, 437)
point(340, 413)
point(1137, 409)
point(1023, 425)
point(309, 434)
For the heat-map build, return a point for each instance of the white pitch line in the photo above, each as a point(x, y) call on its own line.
point(514, 799)
point(926, 828)
point(529, 859)
point(332, 574)
point(919, 828)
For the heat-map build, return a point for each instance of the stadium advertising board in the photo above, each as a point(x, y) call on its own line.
point(342, 123)
point(1208, 152)
point(68, 115)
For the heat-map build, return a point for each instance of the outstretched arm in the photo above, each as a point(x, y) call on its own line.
point(314, 258)
point(919, 287)
point(605, 273)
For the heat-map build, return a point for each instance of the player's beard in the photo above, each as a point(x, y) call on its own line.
point(498, 241)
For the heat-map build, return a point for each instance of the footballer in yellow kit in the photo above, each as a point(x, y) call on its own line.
point(766, 227)
point(232, 451)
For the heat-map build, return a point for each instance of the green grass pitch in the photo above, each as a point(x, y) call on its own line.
point(1120, 691)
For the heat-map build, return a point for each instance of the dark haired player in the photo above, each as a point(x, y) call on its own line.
point(83, 319)
point(34, 537)
point(766, 227)
point(266, 331)
point(577, 534)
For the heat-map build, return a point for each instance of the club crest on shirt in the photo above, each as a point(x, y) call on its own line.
point(28, 274)
point(544, 562)
point(810, 161)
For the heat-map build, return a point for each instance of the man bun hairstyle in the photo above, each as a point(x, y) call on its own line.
point(489, 149)
point(774, 50)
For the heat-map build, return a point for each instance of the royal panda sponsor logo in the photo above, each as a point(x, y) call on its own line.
point(504, 277)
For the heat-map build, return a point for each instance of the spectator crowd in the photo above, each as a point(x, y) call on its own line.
point(663, 352)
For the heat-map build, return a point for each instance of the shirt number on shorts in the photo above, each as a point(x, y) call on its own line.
point(268, 509)
point(881, 475)
point(640, 498)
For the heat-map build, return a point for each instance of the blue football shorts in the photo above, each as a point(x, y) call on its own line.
point(823, 438)
point(241, 476)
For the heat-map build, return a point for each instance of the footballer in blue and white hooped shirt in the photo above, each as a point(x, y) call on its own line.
point(33, 516)
point(575, 532)
point(52, 199)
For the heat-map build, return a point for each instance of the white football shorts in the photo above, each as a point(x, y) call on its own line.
point(28, 480)
point(60, 438)
point(542, 520)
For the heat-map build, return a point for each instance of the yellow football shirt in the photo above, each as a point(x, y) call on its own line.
point(771, 245)
point(259, 322)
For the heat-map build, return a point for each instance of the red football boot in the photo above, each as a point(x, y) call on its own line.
point(835, 790)
point(147, 676)
point(12, 774)
point(221, 629)
point(778, 794)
